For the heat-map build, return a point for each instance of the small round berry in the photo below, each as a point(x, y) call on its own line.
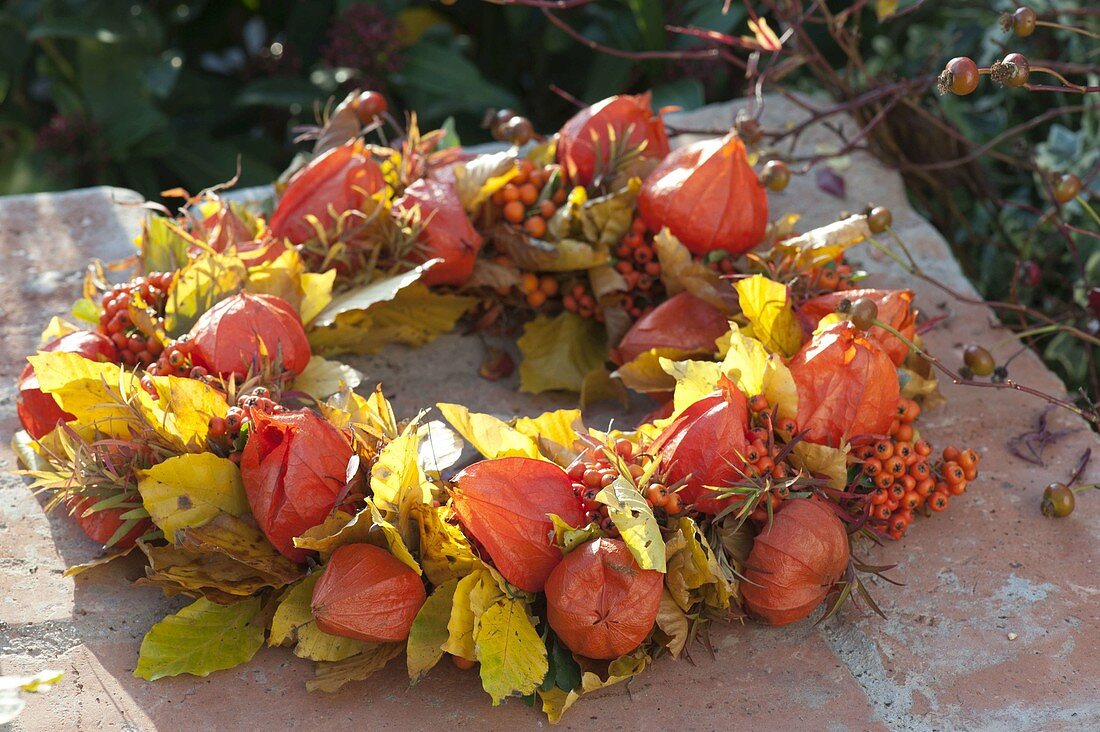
point(674, 504)
point(979, 360)
point(775, 175)
point(657, 494)
point(1023, 21)
point(1016, 69)
point(1066, 187)
point(369, 105)
point(1058, 501)
point(217, 426)
point(879, 219)
point(959, 77)
point(518, 131)
point(864, 312)
point(624, 449)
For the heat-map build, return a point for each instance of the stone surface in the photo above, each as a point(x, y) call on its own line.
point(989, 569)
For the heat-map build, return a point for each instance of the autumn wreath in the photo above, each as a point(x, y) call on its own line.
point(195, 415)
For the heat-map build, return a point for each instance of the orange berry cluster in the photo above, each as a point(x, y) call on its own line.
point(526, 201)
point(135, 348)
point(904, 477)
point(582, 301)
point(636, 261)
point(829, 278)
point(593, 471)
point(236, 420)
point(537, 290)
point(761, 457)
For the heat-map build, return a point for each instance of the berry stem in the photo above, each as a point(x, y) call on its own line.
point(1070, 28)
point(1056, 75)
point(1085, 205)
point(1006, 384)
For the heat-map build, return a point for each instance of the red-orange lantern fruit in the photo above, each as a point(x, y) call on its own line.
point(599, 602)
point(586, 142)
point(103, 524)
point(704, 447)
point(683, 322)
point(294, 468)
point(847, 386)
point(505, 505)
point(345, 178)
point(894, 308)
point(708, 196)
point(368, 594)
point(795, 562)
point(447, 233)
point(38, 411)
point(232, 337)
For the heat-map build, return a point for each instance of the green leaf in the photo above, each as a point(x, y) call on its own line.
point(450, 139)
point(199, 639)
point(559, 352)
point(280, 92)
point(634, 519)
point(163, 245)
point(684, 93)
point(437, 81)
point(512, 655)
point(429, 631)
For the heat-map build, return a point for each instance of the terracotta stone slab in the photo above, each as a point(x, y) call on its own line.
point(987, 568)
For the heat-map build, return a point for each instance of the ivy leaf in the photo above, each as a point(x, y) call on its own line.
point(771, 316)
point(199, 639)
point(429, 631)
point(492, 437)
point(634, 519)
point(293, 623)
point(559, 352)
point(512, 655)
point(189, 490)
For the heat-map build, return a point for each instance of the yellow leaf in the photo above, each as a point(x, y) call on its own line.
point(646, 375)
point(183, 410)
point(440, 448)
point(556, 701)
point(445, 552)
point(429, 631)
point(331, 677)
point(694, 380)
point(674, 623)
point(680, 271)
point(293, 623)
point(91, 391)
point(474, 593)
point(323, 378)
point(694, 574)
point(634, 519)
point(748, 364)
point(397, 482)
point(198, 286)
point(829, 461)
point(556, 426)
point(559, 352)
point(369, 294)
point(599, 386)
point(316, 293)
point(512, 655)
point(538, 255)
point(373, 414)
point(490, 436)
point(189, 490)
point(885, 8)
point(56, 328)
point(281, 278)
point(568, 538)
point(768, 308)
point(366, 527)
point(414, 317)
